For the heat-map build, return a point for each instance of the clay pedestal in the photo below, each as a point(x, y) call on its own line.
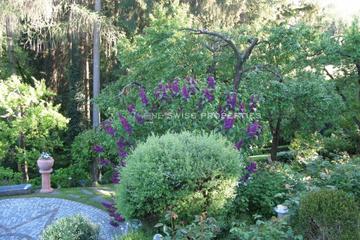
point(46, 181)
point(45, 166)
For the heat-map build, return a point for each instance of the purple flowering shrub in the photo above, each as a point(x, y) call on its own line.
point(179, 105)
point(96, 145)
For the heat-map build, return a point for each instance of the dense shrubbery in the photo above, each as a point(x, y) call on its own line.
point(188, 173)
point(133, 236)
point(329, 214)
point(72, 228)
point(202, 227)
point(269, 230)
point(260, 194)
point(71, 176)
point(8, 176)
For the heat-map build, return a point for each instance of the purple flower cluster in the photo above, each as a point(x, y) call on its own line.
point(160, 91)
point(98, 149)
point(251, 169)
point(125, 124)
point(242, 108)
point(252, 104)
point(104, 162)
point(116, 217)
point(229, 122)
point(139, 119)
point(121, 145)
point(131, 108)
point(208, 95)
point(115, 178)
point(192, 85)
point(238, 145)
point(143, 98)
point(253, 130)
point(108, 128)
point(185, 93)
point(211, 82)
point(174, 87)
point(231, 101)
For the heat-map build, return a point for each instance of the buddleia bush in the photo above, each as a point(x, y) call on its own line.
point(188, 173)
point(72, 228)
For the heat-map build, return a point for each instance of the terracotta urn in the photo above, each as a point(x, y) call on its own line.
point(45, 164)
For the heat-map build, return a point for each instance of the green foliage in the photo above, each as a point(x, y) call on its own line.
point(72, 228)
point(72, 176)
point(134, 236)
point(9, 177)
point(343, 175)
point(269, 230)
point(346, 177)
point(329, 214)
point(260, 194)
point(163, 52)
point(30, 122)
point(83, 154)
point(202, 227)
point(188, 173)
point(306, 147)
point(285, 77)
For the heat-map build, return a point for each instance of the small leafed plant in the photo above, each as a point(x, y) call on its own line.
point(72, 228)
point(45, 156)
point(202, 227)
point(189, 173)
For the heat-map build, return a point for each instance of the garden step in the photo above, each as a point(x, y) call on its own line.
point(15, 189)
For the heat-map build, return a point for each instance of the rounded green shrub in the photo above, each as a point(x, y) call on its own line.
point(188, 173)
point(329, 214)
point(72, 228)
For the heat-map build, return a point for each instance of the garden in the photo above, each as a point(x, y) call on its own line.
point(179, 120)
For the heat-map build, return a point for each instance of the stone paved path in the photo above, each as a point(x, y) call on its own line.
point(25, 218)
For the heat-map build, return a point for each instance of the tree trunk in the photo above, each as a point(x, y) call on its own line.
point(96, 81)
point(358, 72)
point(10, 44)
point(96, 67)
point(275, 140)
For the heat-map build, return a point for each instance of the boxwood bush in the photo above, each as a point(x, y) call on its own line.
point(188, 173)
point(72, 228)
point(329, 214)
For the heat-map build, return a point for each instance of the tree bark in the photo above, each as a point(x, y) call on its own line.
point(10, 44)
point(96, 82)
point(96, 66)
point(241, 57)
point(275, 131)
point(358, 72)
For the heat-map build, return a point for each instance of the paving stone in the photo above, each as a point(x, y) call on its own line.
point(87, 192)
point(98, 199)
point(73, 196)
point(25, 218)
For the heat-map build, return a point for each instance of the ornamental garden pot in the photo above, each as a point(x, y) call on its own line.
point(45, 164)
